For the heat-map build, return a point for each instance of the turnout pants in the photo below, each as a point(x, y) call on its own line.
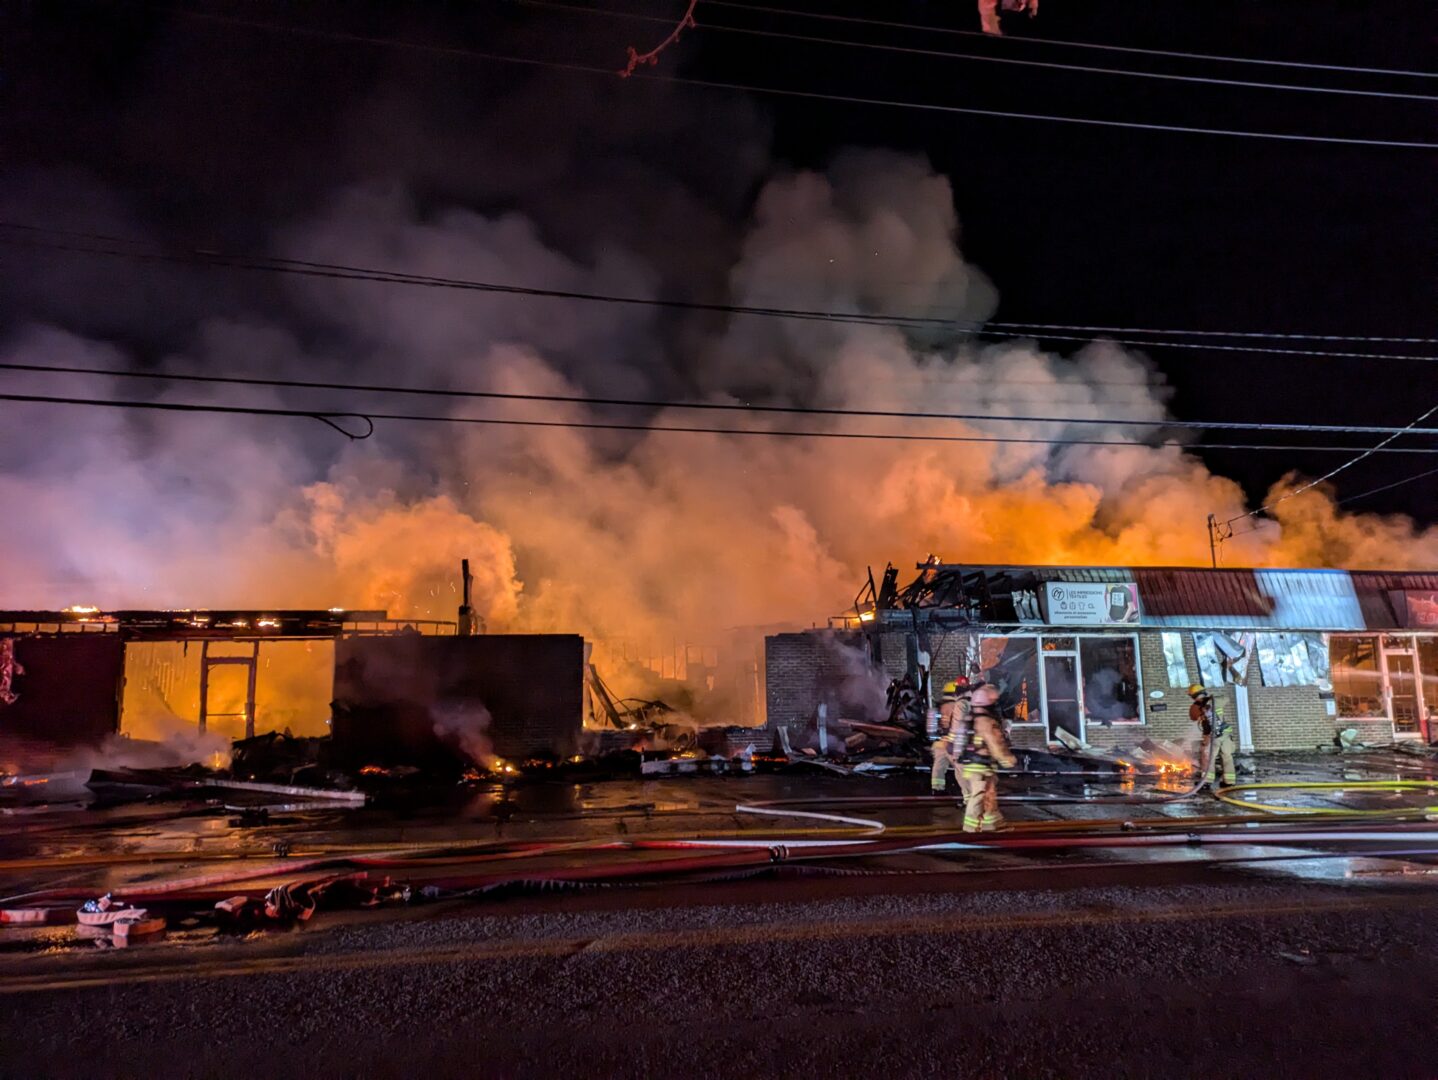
point(939, 775)
point(980, 785)
point(1222, 747)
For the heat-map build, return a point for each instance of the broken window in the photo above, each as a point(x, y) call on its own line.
point(1357, 682)
point(1012, 665)
point(1292, 659)
point(1110, 679)
point(1174, 659)
point(1222, 658)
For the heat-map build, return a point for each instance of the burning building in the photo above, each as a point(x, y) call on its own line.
point(1103, 656)
point(385, 687)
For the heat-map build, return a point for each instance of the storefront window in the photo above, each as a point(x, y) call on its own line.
point(1222, 658)
point(1173, 657)
point(1357, 682)
point(1012, 665)
point(1292, 659)
point(1110, 679)
point(1428, 666)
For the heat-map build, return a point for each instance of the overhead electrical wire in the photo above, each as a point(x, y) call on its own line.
point(1386, 487)
point(908, 50)
point(33, 236)
point(1349, 464)
point(1276, 335)
point(1382, 447)
point(715, 406)
point(333, 417)
point(1026, 39)
point(809, 95)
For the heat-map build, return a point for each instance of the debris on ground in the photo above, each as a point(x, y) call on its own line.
point(279, 757)
point(338, 794)
point(127, 931)
point(1416, 749)
point(1347, 739)
point(107, 911)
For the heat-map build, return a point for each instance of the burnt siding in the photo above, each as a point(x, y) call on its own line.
point(391, 691)
point(70, 691)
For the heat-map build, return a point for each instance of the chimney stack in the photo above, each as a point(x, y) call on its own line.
point(466, 609)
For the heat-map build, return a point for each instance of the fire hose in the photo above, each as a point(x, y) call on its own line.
point(777, 807)
point(1226, 794)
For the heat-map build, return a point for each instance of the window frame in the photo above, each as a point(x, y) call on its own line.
point(1077, 653)
point(1379, 670)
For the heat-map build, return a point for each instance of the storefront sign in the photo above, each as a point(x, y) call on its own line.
point(1415, 609)
point(1091, 603)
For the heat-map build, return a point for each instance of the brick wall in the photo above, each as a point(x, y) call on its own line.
point(1296, 718)
point(804, 670)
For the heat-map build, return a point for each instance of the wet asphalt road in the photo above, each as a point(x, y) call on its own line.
point(1166, 972)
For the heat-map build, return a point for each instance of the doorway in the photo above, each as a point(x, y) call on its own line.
point(1405, 697)
point(227, 690)
point(1061, 694)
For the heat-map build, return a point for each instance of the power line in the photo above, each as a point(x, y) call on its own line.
point(340, 271)
point(1217, 538)
point(1349, 464)
point(1386, 487)
point(331, 417)
point(1028, 40)
point(808, 95)
point(1132, 125)
point(1211, 347)
point(716, 406)
point(1213, 333)
point(908, 50)
point(92, 244)
point(1382, 447)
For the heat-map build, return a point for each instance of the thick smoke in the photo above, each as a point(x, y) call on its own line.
point(465, 726)
point(620, 536)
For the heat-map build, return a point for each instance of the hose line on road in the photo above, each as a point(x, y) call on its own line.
point(1226, 794)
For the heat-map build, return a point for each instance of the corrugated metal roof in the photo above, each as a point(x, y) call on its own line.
point(1374, 587)
point(1255, 599)
point(1247, 599)
point(1196, 598)
point(1173, 593)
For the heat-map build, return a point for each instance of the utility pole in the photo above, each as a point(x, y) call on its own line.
point(1213, 541)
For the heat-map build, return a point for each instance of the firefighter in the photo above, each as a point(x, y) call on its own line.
point(953, 725)
point(1217, 736)
point(985, 747)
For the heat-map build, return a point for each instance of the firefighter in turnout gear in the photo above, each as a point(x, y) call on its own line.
point(984, 748)
point(1217, 736)
point(953, 727)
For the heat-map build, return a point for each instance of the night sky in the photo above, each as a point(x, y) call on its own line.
point(212, 133)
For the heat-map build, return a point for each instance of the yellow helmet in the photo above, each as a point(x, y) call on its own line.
point(1196, 689)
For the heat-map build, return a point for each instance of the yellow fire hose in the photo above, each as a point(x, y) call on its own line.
point(1225, 794)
